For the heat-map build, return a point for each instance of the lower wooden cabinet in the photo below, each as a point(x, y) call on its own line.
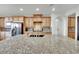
point(71, 35)
point(2, 35)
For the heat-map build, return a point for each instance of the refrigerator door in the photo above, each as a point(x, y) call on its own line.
point(16, 29)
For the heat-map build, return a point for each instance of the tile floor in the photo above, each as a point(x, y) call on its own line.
point(38, 45)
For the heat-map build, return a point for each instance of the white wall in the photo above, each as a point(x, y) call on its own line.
point(65, 25)
point(59, 23)
point(53, 24)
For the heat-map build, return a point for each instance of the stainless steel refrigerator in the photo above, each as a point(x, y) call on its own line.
point(17, 28)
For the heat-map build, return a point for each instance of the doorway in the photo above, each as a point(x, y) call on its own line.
point(78, 28)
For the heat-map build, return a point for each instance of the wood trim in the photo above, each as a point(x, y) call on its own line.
point(37, 17)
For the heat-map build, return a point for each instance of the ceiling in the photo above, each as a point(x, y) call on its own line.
point(29, 9)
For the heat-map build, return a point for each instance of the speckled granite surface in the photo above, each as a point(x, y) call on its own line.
point(38, 45)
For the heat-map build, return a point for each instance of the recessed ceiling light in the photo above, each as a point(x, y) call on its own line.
point(53, 9)
point(21, 9)
point(37, 9)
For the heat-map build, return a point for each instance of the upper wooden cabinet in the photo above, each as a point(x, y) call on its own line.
point(8, 19)
point(2, 20)
point(21, 18)
point(15, 18)
point(29, 21)
point(37, 19)
point(71, 21)
point(18, 18)
point(46, 21)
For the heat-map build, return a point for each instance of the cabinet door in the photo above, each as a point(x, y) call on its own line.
point(69, 21)
point(37, 19)
point(1, 22)
point(71, 27)
point(71, 35)
point(44, 22)
point(34, 19)
point(8, 19)
point(48, 22)
point(27, 22)
point(18, 18)
point(21, 19)
point(2, 35)
point(73, 22)
point(15, 18)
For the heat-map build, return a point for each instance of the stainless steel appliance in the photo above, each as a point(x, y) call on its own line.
point(17, 28)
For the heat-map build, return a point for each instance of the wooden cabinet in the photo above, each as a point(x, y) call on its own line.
point(21, 18)
point(71, 27)
point(71, 21)
point(37, 19)
point(28, 22)
point(2, 21)
point(72, 35)
point(8, 19)
point(18, 18)
point(46, 21)
point(15, 18)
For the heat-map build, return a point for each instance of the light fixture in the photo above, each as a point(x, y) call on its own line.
point(21, 9)
point(37, 9)
point(53, 9)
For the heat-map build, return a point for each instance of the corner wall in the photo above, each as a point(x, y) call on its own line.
point(59, 23)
